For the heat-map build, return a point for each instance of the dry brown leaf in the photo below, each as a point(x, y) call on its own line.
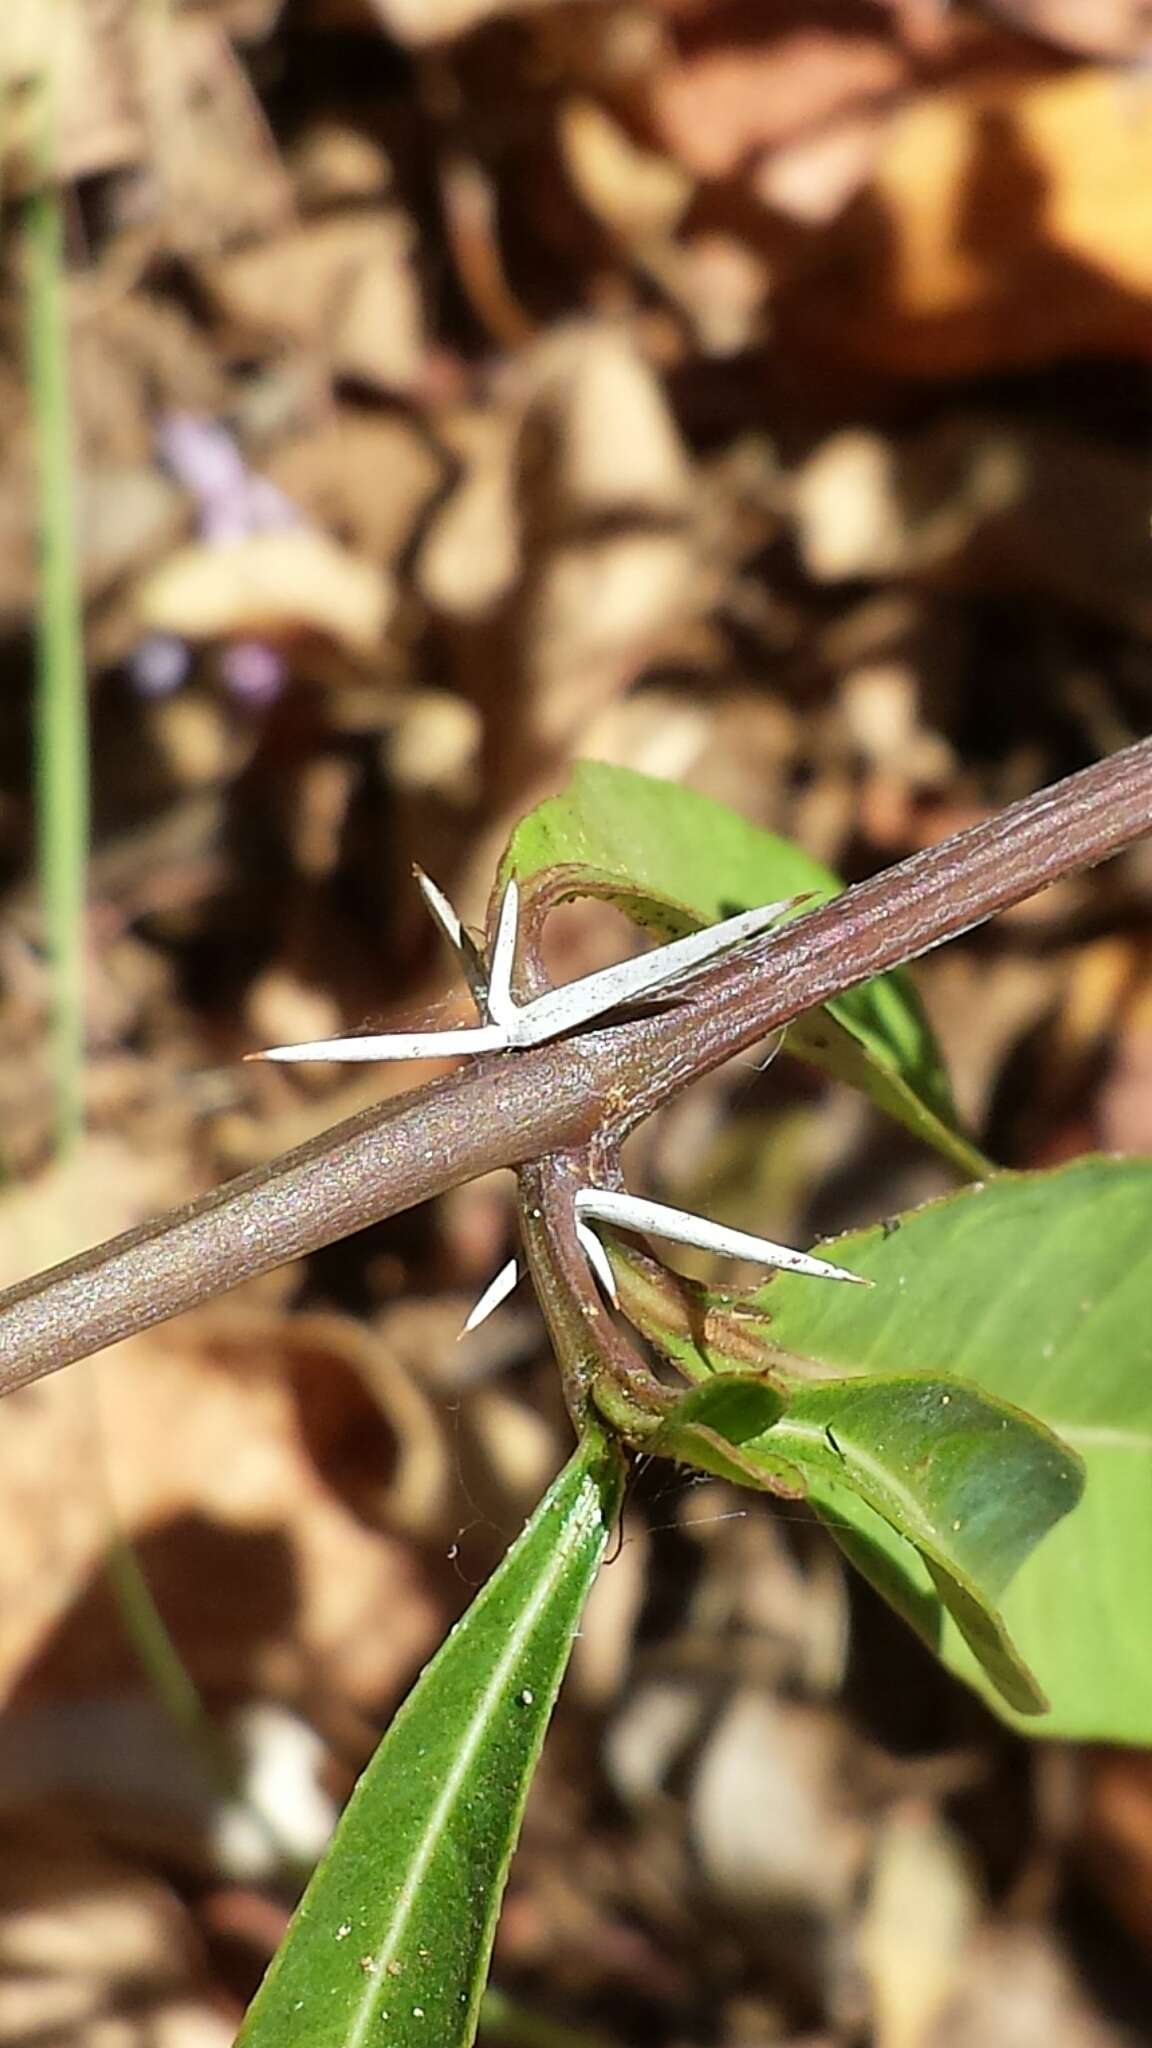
point(767, 1821)
point(94, 1953)
point(470, 557)
point(435, 746)
point(1021, 1990)
point(1124, 1108)
point(915, 1932)
point(637, 193)
point(335, 162)
point(596, 615)
point(217, 168)
point(344, 285)
point(364, 475)
point(1098, 28)
point(983, 503)
point(94, 119)
point(418, 22)
point(105, 1185)
point(268, 583)
point(611, 444)
point(812, 180)
point(268, 1580)
point(722, 104)
point(1008, 221)
point(125, 517)
point(1118, 1834)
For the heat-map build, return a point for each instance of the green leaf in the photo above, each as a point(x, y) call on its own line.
point(392, 1938)
point(674, 860)
point(710, 1426)
point(1037, 1289)
point(969, 1482)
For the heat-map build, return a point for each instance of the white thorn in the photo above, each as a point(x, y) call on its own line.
point(501, 1007)
point(578, 1002)
point(419, 1045)
point(627, 1212)
point(551, 1015)
point(440, 910)
point(462, 942)
point(496, 1291)
point(599, 1261)
point(776, 1046)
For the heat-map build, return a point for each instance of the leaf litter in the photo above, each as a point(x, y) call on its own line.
point(756, 398)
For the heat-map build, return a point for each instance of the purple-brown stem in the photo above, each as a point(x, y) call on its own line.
point(510, 1109)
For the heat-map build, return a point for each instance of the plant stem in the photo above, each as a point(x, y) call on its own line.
point(62, 827)
point(507, 1110)
point(61, 722)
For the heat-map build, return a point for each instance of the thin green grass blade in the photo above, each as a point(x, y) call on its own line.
point(63, 806)
point(61, 716)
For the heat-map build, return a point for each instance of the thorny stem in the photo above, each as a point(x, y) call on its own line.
point(512, 1109)
point(596, 1359)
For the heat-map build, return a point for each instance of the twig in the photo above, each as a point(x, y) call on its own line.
point(508, 1109)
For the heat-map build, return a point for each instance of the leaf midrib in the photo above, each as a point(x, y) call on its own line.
point(586, 1506)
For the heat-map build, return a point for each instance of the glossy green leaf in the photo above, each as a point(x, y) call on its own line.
point(392, 1938)
point(711, 1425)
point(971, 1483)
point(674, 860)
point(1036, 1288)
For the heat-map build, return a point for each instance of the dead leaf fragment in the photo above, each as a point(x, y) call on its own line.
point(986, 504)
point(96, 112)
point(637, 193)
point(94, 1954)
point(420, 22)
point(762, 1819)
point(218, 171)
point(921, 1910)
point(1008, 221)
point(1097, 28)
point(270, 1581)
point(720, 106)
point(268, 583)
point(611, 438)
point(366, 476)
point(471, 555)
point(345, 285)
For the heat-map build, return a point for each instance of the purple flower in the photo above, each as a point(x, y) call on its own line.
point(231, 502)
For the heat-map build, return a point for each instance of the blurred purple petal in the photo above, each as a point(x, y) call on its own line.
point(159, 664)
point(253, 672)
point(201, 455)
point(269, 510)
point(230, 500)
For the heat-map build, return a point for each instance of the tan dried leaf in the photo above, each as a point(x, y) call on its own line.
point(268, 583)
point(637, 193)
point(921, 1911)
point(1008, 221)
point(345, 285)
point(1097, 28)
point(200, 1445)
point(94, 1953)
point(92, 118)
point(718, 107)
point(219, 173)
point(419, 22)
